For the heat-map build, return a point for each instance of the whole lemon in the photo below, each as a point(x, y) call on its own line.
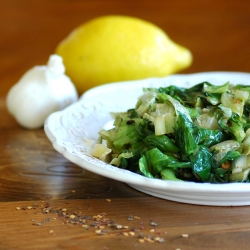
point(118, 48)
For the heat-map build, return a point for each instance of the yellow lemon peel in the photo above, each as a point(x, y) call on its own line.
point(118, 48)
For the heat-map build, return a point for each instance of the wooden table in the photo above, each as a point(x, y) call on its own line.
point(46, 202)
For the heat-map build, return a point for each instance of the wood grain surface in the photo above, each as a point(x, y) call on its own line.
point(47, 202)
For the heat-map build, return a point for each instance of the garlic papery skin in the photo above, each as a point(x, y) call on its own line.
point(41, 91)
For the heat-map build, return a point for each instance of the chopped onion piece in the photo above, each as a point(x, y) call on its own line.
point(101, 152)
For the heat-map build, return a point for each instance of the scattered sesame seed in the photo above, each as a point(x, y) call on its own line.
point(119, 226)
point(153, 223)
point(159, 239)
point(39, 224)
point(98, 231)
point(148, 239)
point(185, 235)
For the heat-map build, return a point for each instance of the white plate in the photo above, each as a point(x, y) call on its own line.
point(71, 130)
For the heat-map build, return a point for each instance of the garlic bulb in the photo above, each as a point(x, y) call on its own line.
point(41, 91)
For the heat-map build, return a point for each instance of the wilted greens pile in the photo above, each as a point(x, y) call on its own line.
point(196, 134)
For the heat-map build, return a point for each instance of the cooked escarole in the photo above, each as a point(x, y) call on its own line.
point(197, 134)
